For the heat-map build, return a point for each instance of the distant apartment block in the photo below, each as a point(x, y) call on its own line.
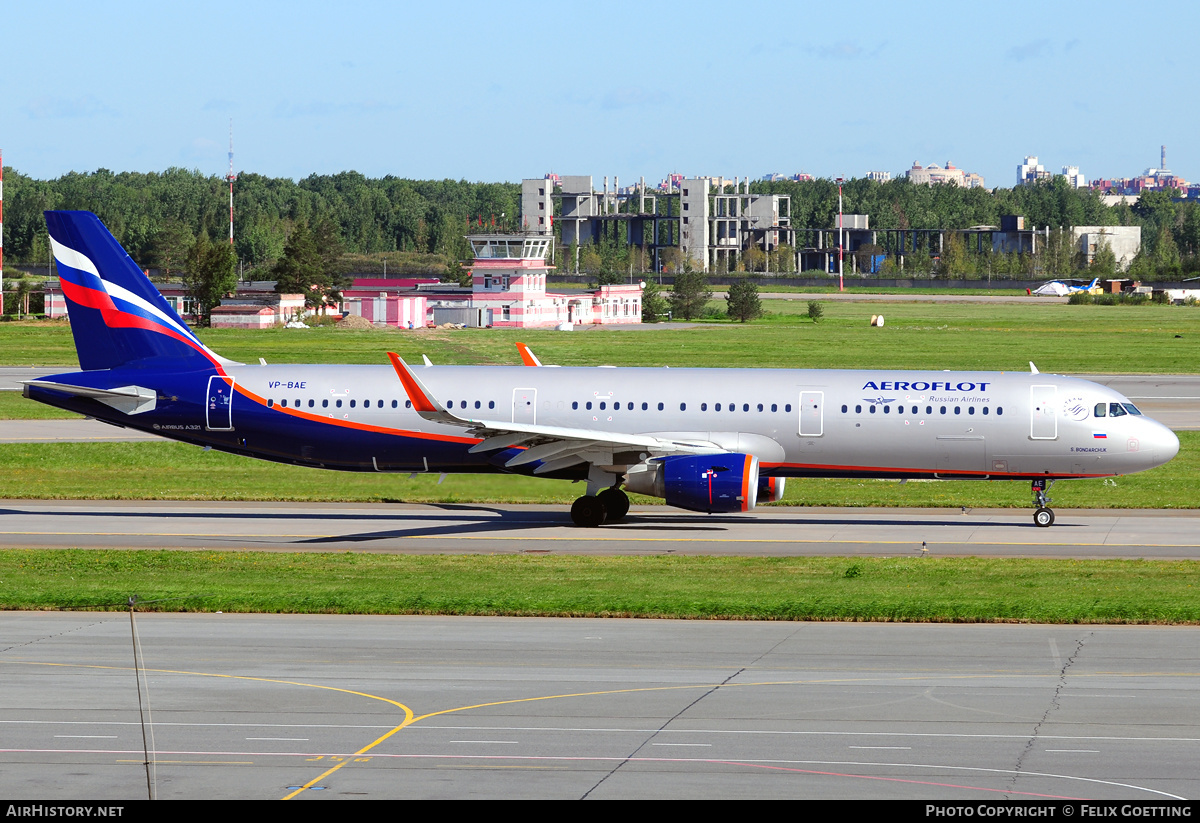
point(711, 221)
point(1031, 171)
point(933, 174)
point(1074, 179)
point(1159, 179)
point(776, 177)
point(879, 176)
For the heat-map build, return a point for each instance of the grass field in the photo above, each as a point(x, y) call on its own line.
point(1059, 338)
point(895, 589)
point(1062, 339)
point(164, 470)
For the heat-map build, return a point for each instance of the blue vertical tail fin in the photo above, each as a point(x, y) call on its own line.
point(118, 317)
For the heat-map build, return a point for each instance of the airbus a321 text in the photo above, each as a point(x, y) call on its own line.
point(707, 440)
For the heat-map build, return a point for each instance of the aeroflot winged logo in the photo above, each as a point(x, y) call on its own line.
point(923, 385)
point(118, 306)
point(83, 284)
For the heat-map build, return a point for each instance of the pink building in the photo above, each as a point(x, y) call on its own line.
point(257, 311)
point(509, 281)
point(390, 310)
point(243, 316)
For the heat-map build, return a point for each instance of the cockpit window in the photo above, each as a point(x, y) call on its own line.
point(1116, 410)
point(1132, 409)
point(1101, 410)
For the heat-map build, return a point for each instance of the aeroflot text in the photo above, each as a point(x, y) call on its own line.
point(921, 385)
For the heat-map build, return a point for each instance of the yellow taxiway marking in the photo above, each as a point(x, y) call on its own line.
point(408, 713)
point(410, 718)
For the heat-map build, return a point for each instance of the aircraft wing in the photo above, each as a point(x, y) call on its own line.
point(556, 446)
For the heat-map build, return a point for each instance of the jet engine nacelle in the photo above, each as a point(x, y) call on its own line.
point(708, 482)
point(770, 489)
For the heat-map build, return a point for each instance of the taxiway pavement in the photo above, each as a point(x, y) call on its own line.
point(334, 707)
point(491, 529)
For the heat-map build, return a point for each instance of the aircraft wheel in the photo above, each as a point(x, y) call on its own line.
point(588, 512)
point(616, 503)
point(1043, 517)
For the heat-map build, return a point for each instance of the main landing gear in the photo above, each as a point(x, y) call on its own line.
point(608, 506)
point(1043, 516)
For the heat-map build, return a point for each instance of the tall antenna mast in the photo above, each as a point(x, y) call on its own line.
point(231, 178)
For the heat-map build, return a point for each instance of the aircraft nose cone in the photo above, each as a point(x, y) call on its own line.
point(1166, 445)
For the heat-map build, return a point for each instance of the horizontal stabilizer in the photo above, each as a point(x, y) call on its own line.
point(126, 399)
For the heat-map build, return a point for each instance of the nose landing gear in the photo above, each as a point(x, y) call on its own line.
point(1043, 516)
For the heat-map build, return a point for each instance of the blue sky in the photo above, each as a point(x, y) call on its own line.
point(501, 91)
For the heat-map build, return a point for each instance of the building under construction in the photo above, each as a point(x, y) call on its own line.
point(696, 219)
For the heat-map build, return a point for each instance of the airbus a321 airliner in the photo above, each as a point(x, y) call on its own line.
point(707, 440)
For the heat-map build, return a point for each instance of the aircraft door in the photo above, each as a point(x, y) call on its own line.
point(1044, 421)
point(812, 413)
point(524, 406)
point(218, 411)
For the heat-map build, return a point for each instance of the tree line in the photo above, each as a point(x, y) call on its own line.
point(160, 216)
point(157, 217)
